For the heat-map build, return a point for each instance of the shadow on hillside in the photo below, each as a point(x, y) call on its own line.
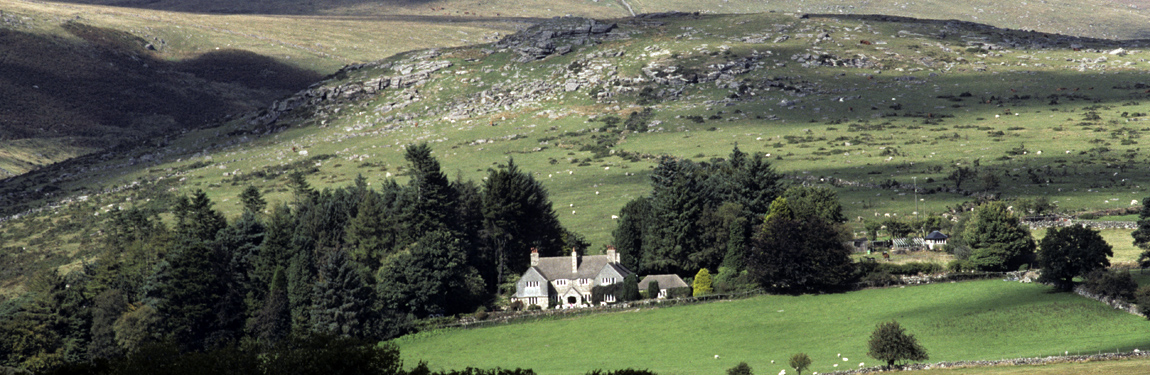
point(113, 87)
point(271, 7)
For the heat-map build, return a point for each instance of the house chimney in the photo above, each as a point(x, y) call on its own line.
point(612, 256)
point(534, 257)
point(574, 261)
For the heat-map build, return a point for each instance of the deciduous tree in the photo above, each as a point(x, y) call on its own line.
point(1071, 252)
point(800, 362)
point(891, 344)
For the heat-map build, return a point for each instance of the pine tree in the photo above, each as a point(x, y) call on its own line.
point(185, 290)
point(300, 281)
point(108, 306)
point(252, 200)
point(1142, 234)
point(628, 234)
point(517, 216)
point(341, 301)
point(196, 219)
point(432, 278)
point(677, 204)
point(433, 199)
point(367, 234)
point(272, 322)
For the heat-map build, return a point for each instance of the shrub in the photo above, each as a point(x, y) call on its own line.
point(681, 292)
point(1111, 284)
point(878, 278)
point(534, 308)
point(702, 284)
point(740, 369)
point(626, 371)
point(1142, 299)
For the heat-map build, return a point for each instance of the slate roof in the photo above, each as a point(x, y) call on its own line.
point(665, 281)
point(937, 236)
point(554, 268)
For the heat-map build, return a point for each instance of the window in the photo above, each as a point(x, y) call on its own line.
point(608, 280)
point(584, 281)
point(587, 297)
point(532, 284)
point(533, 301)
point(662, 293)
point(609, 298)
point(561, 282)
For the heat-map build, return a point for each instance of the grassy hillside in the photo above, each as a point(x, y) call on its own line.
point(869, 105)
point(1111, 19)
point(79, 79)
point(959, 321)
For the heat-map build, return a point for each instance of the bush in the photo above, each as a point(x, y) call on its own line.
point(1142, 299)
point(681, 292)
point(740, 369)
point(913, 268)
point(534, 308)
point(1111, 284)
point(878, 278)
point(626, 371)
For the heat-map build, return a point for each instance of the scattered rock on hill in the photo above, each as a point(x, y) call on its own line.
point(555, 36)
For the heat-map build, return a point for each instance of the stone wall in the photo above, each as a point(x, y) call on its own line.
point(1005, 362)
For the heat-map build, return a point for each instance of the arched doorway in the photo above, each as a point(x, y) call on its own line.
point(571, 300)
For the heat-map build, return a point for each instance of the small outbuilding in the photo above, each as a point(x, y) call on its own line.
point(666, 282)
point(935, 239)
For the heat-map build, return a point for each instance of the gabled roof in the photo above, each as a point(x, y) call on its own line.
point(936, 236)
point(554, 268)
point(665, 281)
point(623, 271)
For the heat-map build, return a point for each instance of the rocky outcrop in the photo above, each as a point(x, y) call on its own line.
point(405, 75)
point(555, 36)
point(809, 60)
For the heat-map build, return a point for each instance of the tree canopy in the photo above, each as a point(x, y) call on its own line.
point(1071, 252)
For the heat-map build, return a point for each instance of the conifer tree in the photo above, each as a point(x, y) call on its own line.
point(702, 284)
point(196, 219)
point(517, 216)
point(272, 322)
point(628, 234)
point(252, 200)
point(433, 199)
point(653, 289)
point(341, 301)
point(367, 234)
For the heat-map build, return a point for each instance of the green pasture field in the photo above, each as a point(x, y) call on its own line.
point(990, 319)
